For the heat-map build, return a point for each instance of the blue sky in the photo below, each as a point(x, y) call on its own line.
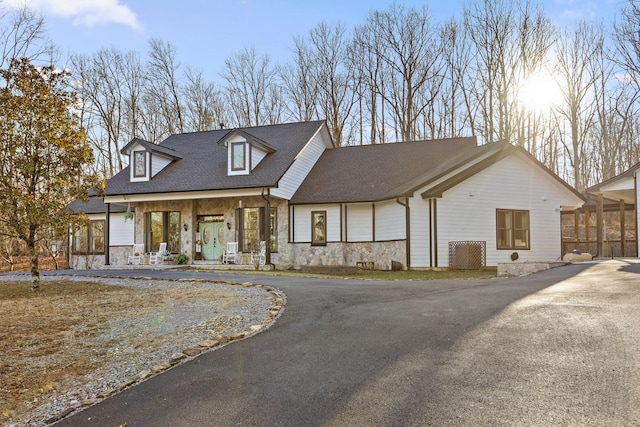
point(206, 32)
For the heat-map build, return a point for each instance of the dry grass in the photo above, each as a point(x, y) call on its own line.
point(48, 337)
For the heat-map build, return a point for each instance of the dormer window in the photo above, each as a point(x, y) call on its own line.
point(139, 164)
point(238, 156)
point(244, 152)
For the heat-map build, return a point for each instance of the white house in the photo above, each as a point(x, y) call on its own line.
point(412, 205)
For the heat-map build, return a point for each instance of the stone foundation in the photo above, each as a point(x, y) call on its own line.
point(343, 254)
point(525, 268)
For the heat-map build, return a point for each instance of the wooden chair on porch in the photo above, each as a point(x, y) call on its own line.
point(230, 253)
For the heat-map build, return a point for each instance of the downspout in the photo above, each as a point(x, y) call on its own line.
point(106, 233)
point(430, 234)
point(435, 232)
point(407, 213)
point(266, 229)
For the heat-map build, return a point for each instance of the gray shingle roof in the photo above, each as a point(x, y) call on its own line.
point(368, 173)
point(95, 205)
point(203, 162)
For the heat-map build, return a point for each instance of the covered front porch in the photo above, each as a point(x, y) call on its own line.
point(201, 226)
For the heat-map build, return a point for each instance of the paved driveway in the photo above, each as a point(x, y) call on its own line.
point(555, 348)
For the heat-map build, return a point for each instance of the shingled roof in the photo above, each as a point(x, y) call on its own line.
point(368, 173)
point(94, 205)
point(202, 161)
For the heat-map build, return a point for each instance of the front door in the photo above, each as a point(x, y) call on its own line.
point(212, 238)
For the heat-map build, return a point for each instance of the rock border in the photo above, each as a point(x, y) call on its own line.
point(187, 354)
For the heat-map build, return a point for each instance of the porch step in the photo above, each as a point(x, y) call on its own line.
point(216, 265)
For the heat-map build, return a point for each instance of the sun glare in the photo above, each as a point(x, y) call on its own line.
point(539, 93)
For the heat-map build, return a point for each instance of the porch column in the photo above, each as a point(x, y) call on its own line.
point(106, 232)
point(622, 229)
point(266, 228)
point(599, 228)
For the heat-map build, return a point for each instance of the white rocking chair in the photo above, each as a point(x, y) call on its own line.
point(230, 253)
point(137, 252)
point(260, 257)
point(156, 257)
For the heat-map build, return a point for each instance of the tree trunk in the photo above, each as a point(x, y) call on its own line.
point(35, 272)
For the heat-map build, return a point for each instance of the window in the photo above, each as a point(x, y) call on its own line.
point(139, 164)
point(163, 227)
point(238, 156)
point(249, 223)
point(89, 238)
point(512, 229)
point(251, 230)
point(319, 228)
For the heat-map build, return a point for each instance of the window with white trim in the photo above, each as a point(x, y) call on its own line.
point(139, 164)
point(512, 229)
point(238, 156)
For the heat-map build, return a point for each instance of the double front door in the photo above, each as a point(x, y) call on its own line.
point(212, 239)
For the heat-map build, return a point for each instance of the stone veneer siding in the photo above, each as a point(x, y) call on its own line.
point(341, 253)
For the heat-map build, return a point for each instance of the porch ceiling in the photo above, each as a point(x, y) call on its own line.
point(186, 195)
point(622, 188)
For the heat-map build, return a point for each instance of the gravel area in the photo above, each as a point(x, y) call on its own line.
point(195, 327)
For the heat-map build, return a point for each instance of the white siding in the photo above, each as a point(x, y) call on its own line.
point(120, 232)
point(158, 163)
point(301, 166)
point(360, 222)
point(637, 201)
point(256, 156)
point(390, 221)
point(301, 220)
point(419, 229)
point(468, 210)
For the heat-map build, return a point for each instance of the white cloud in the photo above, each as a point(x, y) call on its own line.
point(83, 12)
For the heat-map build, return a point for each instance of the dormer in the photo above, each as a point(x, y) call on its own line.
point(244, 152)
point(146, 159)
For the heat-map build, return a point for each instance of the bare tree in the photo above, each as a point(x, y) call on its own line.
point(627, 37)
point(457, 110)
point(576, 54)
point(298, 85)
point(204, 105)
point(409, 49)
point(511, 41)
point(23, 35)
point(163, 84)
point(100, 83)
point(332, 78)
point(249, 78)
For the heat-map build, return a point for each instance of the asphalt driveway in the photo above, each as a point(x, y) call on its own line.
point(555, 348)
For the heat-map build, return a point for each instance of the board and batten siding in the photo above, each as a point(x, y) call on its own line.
point(420, 234)
point(390, 222)
point(121, 233)
point(301, 220)
point(468, 210)
point(359, 222)
point(300, 168)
